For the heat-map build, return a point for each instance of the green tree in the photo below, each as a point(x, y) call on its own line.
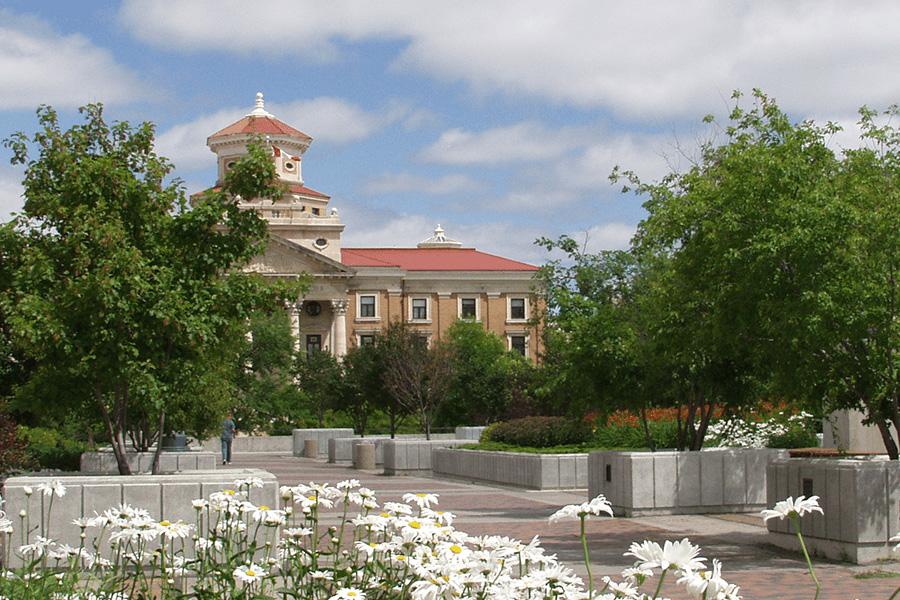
point(363, 391)
point(416, 376)
point(267, 397)
point(321, 379)
point(121, 287)
point(480, 389)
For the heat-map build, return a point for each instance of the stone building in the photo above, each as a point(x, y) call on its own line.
point(358, 291)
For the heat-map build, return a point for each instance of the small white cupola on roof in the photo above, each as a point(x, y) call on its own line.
point(260, 109)
point(439, 240)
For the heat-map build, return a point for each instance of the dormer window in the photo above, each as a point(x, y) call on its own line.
point(321, 243)
point(288, 166)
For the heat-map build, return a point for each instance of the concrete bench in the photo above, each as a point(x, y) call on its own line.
point(321, 436)
point(281, 444)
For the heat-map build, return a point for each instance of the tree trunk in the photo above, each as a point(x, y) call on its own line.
point(114, 430)
point(426, 425)
point(392, 417)
point(651, 443)
point(159, 439)
point(706, 411)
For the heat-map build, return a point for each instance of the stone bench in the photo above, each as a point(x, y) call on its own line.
point(716, 480)
point(165, 496)
point(104, 462)
point(518, 469)
point(341, 450)
point(412, 457)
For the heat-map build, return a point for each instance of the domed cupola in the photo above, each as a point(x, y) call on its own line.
point(288, 144)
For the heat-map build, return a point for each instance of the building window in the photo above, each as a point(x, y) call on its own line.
point(519, 343)
point(367, 307)
point(517, 310)
point(313, 309)
point(313, 343)
point(468, 308)
point(420, 309)
point(276, 214)
point(321, 243)
point(367, 339)
point(316, 211)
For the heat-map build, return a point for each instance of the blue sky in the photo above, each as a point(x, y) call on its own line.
point(501, 121)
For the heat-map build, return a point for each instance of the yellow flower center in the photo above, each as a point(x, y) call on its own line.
point(250, 573)
point(421, 495)
point(229, 492)
point(385, 515)
point(311, 498)
point(400, 557)
point(263, 507)
point(415, 524)
point(455, 549)
point(352, 594)
point(164, 523)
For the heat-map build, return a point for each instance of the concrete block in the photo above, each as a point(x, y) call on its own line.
point(103, 462)
point(734, 471)
point(320, 435)
point(712, 478)
point(365, 456)
point(469, 433)
point(665, 480)
point(688, 468)
point(643, 494)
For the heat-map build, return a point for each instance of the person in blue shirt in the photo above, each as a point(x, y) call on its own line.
point(228, 431)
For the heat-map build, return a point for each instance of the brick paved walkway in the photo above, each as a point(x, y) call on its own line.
point(762, 571)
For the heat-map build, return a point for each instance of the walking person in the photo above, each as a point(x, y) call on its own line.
point(228, 432)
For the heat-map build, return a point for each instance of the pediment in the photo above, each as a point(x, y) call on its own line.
point(283, 257)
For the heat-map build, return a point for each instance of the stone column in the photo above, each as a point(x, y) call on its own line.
point(294, 313)
point(339, 311)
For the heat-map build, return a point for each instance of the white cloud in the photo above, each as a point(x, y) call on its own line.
point(433, 186)
point(41, 66)
point(607, 236)
point(636, 58)
point(10, 192)
point(650, 156)
point(328, 120)
point(528, 141)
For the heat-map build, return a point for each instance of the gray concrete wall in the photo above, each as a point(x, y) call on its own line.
point(469, 433)
point(165, 496)
point(670, 482)
point(412, 457)
point(104, 462)
point(341, 450)
point(531, 471)
point(281, 444)
point(321, 436)
point(859, 498)
point(844, 430)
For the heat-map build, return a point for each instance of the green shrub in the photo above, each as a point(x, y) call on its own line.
point(664, 433)
point(540, 432)
point(51, 449)
point(795, 437)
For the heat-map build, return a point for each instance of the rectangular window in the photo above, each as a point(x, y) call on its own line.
point(276, 214)
point(517, 308)
point(468, 308)
point(420, 309)
point(313, 343)
point(367, 306)
point(517, 344)
point(367, 339)
point(316, 211)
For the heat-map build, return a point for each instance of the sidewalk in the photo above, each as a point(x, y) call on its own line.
point(739, 541)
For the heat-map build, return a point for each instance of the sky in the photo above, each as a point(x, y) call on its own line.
point(501, 121)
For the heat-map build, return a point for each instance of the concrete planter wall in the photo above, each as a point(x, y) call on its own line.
point(469, 433)
point(104, 462)
point(670, 482)
point(860, 500)
point(531, 471)
point(412, 457)
point(165, 496)
point(320, 435)
point(281, 444)
point(340, 450)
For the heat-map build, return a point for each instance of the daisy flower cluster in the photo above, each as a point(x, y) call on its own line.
point(741, 433)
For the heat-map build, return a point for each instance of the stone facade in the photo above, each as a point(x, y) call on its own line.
point(356, 292)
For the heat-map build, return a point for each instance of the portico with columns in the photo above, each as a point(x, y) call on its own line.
point(356, 292)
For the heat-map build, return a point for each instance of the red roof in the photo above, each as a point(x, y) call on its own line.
point(262, 125)
point(431, 259)
point(294, 188)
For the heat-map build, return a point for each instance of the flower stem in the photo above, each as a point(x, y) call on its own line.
point(662, 577)
point(587, 558)
point(795, 520)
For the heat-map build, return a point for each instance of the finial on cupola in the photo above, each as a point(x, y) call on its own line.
point(260, 108)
